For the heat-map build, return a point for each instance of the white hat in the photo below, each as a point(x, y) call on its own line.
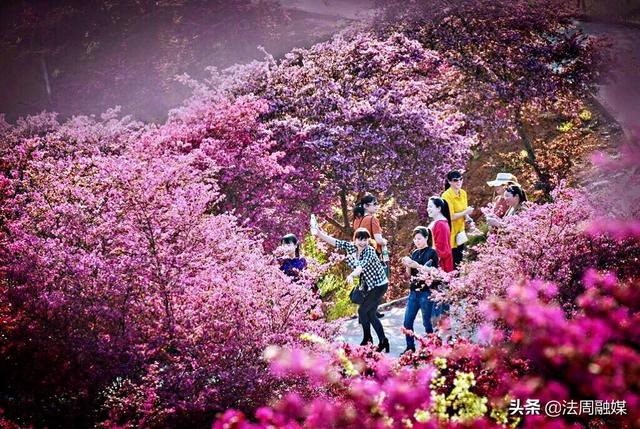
point(503, 179)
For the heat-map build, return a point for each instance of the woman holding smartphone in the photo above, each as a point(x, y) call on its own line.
point(456, 199)
point(362, 259)
point(423, 259)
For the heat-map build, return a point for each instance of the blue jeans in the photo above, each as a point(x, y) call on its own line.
point(368, 309)
point(418, 301)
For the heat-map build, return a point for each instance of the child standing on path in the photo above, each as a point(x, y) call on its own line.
point(290, 261)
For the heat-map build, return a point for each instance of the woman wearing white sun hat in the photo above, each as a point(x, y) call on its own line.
point(502, 180)
point(517, 200)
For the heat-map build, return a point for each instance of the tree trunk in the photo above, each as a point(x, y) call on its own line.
point(345, 213)
point(543, 178)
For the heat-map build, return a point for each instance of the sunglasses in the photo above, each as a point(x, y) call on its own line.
point(373, 203)
point(457, 179)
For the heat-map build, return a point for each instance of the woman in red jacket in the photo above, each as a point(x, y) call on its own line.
point(440, 227)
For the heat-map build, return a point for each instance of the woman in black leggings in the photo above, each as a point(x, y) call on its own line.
point(362, 258)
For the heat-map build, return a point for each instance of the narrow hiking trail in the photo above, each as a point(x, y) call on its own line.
point(351, 332)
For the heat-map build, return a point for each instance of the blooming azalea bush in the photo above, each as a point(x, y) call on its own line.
point(544, 242)
point(122, 295)
point(592, 356)
point(257, 182)
point(521, 60)
point(362, 388)
point(363, 113)
point(538, 353)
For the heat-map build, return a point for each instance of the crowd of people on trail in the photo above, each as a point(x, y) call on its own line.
point(439, 249)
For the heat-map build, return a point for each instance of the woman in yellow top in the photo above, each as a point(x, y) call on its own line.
point(456, 198)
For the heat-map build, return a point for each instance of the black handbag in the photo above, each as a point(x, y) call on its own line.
point(357, 295)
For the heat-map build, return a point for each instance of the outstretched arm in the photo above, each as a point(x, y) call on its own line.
point(325, 237)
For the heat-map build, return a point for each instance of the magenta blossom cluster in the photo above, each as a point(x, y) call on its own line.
point(539, 354)
point(546, 242)
point(592, 356)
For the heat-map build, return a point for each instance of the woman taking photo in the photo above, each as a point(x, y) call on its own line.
point(516, 198)
point(424, 259)
point(364, 216)
point(501, 182)
point(364, 262)
point(456, 198)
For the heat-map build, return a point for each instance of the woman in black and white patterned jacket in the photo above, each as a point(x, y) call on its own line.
point(366, 265)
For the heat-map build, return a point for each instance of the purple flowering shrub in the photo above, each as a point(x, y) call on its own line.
point(592, 356)
point(546, 242)
point(362, 113)
point(257, 182)
point(521, 61)
point(121, 295)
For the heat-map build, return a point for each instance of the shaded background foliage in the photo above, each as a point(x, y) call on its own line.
point(82, 57)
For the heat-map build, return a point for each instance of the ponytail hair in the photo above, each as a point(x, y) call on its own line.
point(453, 174)
point(425, 232)
point(444, 208)
point(358, 210)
